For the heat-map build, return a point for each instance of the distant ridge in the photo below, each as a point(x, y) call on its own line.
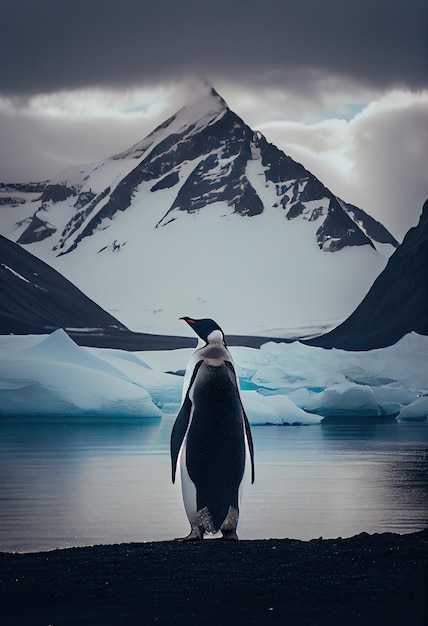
point(396, 304)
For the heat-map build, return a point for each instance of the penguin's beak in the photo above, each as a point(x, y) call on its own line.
point(189, 320)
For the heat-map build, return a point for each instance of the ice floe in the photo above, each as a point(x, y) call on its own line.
point(281, 383)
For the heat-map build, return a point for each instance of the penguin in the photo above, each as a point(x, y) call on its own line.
point(211, 442)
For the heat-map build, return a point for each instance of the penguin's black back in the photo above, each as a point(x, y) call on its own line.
point(215, 449)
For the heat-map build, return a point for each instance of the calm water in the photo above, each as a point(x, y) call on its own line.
point(74, 484)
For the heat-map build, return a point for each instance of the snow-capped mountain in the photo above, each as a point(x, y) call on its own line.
point(396, 304)
point(204, 217)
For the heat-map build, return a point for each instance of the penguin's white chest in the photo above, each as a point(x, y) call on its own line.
point(188, 487)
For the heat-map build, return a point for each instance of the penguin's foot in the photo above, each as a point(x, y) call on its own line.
point(228, 528)
point(230, 535)
point(192, 536)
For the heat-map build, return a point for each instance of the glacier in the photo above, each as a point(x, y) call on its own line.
point(50, 376)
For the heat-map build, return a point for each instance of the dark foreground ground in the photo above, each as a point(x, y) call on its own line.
point(368, 580)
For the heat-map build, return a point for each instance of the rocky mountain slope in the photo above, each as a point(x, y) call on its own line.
point(396, 304)
point(37, 299)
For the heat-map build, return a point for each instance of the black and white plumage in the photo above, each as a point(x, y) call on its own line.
point(211, 440)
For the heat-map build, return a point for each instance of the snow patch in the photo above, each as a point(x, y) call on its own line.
point(14, 273)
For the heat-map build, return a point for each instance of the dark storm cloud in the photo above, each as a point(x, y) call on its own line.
point(47, 45)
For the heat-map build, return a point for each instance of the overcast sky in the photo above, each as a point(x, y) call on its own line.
point(340, 85)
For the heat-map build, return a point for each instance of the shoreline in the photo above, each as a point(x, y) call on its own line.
point(141, 342)
point(366, 579)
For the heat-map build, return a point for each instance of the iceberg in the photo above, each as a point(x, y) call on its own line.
point(416, 411)
point(347, 400)
point(56, 377)
point(292, 383)
point(281, 383)
point(277, 409)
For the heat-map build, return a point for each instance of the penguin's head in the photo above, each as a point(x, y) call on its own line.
point(208, 330)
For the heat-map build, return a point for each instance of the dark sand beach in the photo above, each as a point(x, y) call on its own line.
point(365, 580)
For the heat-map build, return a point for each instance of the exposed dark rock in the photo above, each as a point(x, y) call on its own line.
point(338, 230)
point(295, 210)
point(23, 187)
point(315, 214)
point(6, 200)
point(167, 181)
point(372, 227)
point(56, 193)
point(280, 166)
point(314, 190)
point(37, 230)
point(83, 199)
point(77, 220)
point(209, 183)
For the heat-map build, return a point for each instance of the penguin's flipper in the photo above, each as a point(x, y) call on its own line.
point(181, 424)
point(250, 444)
point(246, 424)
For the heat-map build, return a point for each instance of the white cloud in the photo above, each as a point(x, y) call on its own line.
point(305, 96)
point(45, 134)
point(376, 160)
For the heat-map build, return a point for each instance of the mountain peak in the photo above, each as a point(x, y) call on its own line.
point(210, 194)
point(216, 95)
point(203, 110)
point(203, 94)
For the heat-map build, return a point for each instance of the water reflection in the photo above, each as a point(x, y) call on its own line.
point(84, 483)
